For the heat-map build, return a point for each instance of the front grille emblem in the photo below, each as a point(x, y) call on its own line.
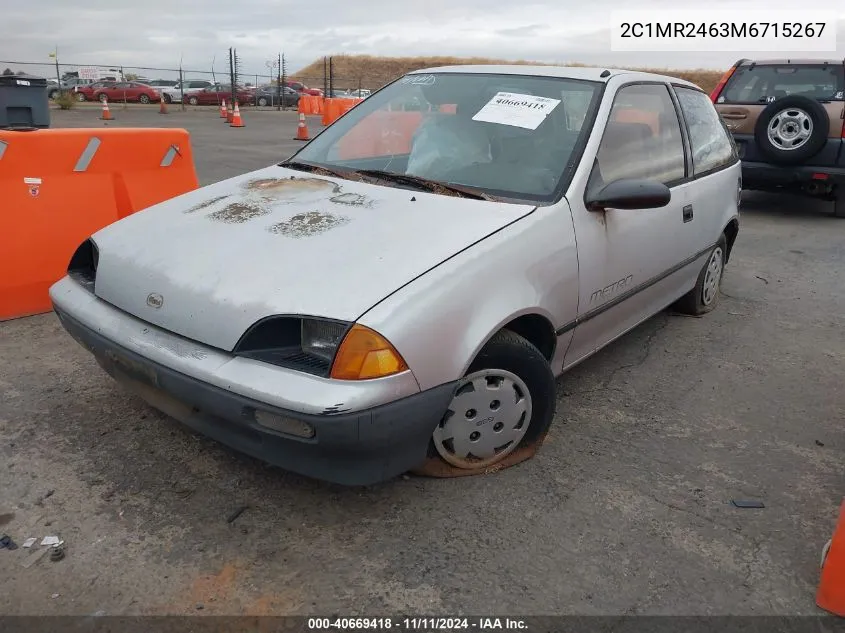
point(155, 300)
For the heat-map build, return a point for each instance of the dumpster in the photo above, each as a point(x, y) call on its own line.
point(23, 102)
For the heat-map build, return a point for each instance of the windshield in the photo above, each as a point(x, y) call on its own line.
point(512, 136)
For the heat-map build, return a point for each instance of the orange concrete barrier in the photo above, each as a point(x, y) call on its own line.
point(58, 186)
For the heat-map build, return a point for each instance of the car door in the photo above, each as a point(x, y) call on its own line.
point(632, 263)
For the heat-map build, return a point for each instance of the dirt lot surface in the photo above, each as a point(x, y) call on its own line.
point(625, 510)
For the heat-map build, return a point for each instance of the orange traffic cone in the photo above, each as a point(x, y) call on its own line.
point(162, 108)
point(229, 113)
point(831, 593)
point(106, 116)
point(301, 129)
point(223, 109)
point(236, 117)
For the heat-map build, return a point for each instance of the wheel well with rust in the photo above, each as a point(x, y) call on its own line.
point(731, 231)
point(537, 330)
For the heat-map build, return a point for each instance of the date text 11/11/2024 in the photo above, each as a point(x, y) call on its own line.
point(402, 624)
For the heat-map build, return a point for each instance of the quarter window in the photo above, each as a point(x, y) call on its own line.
point(642, 139)
point(711, 144)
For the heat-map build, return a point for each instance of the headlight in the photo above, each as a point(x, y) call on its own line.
point(321, 347)
point(321, 338)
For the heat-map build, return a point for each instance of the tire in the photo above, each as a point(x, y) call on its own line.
point(839, 203)
point(262, 101)
point(705, 296)
point(80, 97)
point(795, 120)
point(193, 101)
point(52, 94)
point(502, 435)
point(102, 97)
point(167, 98)
point(145, 99)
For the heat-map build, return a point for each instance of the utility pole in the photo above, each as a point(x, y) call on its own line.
point(55, 55)
point(331, 77)
point(279, 88)
point(325, 76)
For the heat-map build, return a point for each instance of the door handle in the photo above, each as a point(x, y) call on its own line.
point(688, 213)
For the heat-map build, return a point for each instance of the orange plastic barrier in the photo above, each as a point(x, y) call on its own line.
point(310, 104)
point(335, 108)
point(58, 186)
point(383, 133)
point(831, 591)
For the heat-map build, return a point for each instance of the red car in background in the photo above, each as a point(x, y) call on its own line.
point(86, 92)
point(301, 88)
point(214, 95)
point(127, 91)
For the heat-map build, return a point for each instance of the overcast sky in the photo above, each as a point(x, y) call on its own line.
point(157, 33)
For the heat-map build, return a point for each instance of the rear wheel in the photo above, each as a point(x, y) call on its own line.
point(144, 99)
point(262, 101)
point(79, 96)
point(500, 413)
point(167, 98)
point(193, 100)
point(102, 97)
point(705, 296)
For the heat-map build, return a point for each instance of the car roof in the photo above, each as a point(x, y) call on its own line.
point(796, 62)
point(564, 72)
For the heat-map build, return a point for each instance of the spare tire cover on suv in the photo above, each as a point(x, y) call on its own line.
point(792, 129)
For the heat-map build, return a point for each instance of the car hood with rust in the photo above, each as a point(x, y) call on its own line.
point(210, 263)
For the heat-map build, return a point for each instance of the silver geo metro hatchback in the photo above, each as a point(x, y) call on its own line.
point(401, 293)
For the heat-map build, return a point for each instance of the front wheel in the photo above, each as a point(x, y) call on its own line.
point(500, 412)
point(80, 97)
point(167, 98)
point(262, 101)
point(103, 98)
point(193, 100)
point(145, 99)
point(705, 296)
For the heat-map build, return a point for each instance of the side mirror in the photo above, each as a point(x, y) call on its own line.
point(629, 194)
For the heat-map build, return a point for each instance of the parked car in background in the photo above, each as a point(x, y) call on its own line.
point(303, 89)
point(163, 83)
point(786, 117)
point(86, 93)
point(127, 91)
point(214, 95)
point(267, 95)
point(68, 84)
point(187, 87)
point(361, 93)
point(613, 195)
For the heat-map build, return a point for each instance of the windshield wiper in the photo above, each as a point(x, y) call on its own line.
point(314, 169)
point(424, 184)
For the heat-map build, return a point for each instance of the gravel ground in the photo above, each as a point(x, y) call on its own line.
point(625, 510)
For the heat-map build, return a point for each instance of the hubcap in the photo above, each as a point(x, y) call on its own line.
point(485, 421)
point(712, 277)
point(790, 129)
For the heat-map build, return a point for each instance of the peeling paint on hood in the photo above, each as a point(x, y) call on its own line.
point(279, 241)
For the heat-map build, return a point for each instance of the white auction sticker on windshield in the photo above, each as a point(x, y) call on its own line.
point(525, 111)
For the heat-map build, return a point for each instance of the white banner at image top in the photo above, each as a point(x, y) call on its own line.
point(729, 30)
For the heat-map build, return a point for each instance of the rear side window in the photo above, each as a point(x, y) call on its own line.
point(198, 84)
point(765, 83)
point(712, 146)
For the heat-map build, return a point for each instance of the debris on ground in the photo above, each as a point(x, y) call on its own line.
point(30, 542)
point(34, 558)
point(6, 542)
point(236, 514)
point(746, 503)
point(57, 552)
point(51, 540)
point(818, 443)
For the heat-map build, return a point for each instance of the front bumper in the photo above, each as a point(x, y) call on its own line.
point(352, 447)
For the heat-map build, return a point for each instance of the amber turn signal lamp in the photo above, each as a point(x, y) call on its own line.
point(365, 354)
